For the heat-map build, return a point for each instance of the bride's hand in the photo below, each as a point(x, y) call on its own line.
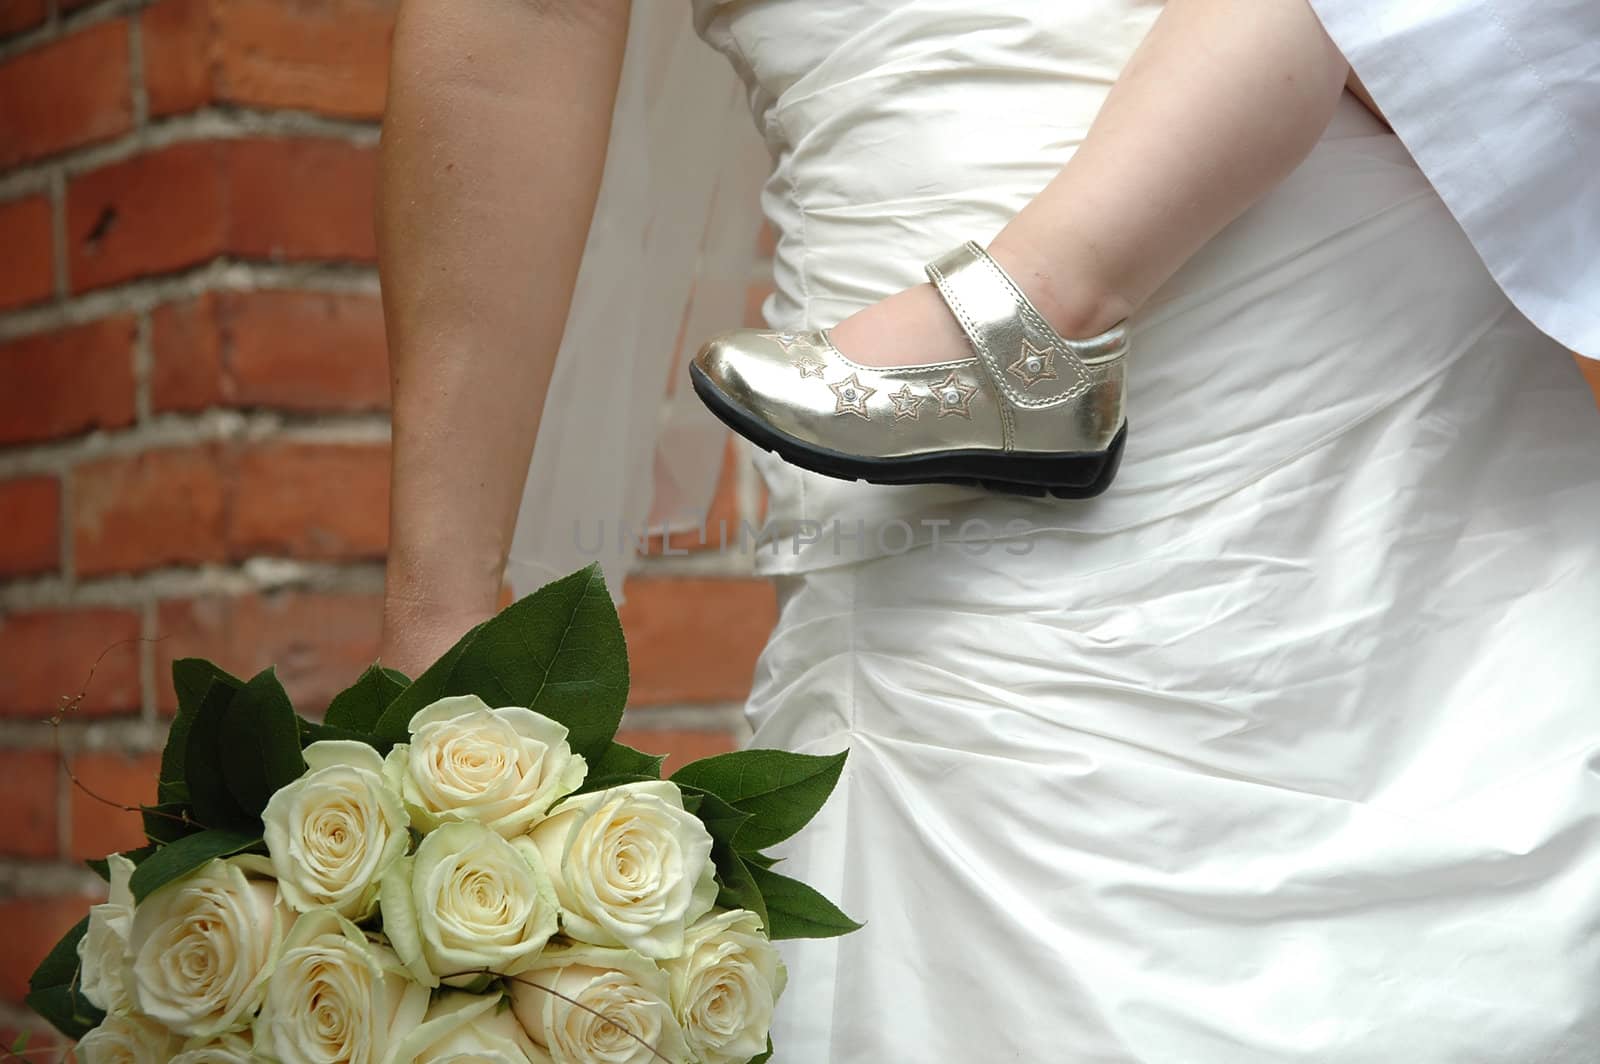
point(414, 636)
point(419, 627)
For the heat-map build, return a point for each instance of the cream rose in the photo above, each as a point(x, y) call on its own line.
point(631, 867)
point(335, 831)
point(104, 975)
point(127, 1040)
point(724, 987)
point(623, 1013)
point(466, 901)
point(475, 1028)
point(204, 945)
point(335, 996)
point(231, 1048)
point(502, 768)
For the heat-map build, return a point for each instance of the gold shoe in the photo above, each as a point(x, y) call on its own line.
point(1033, 413)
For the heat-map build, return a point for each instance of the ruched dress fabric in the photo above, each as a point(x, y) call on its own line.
point(1287, 748)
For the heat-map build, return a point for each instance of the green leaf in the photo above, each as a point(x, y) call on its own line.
point(60, 965)
point(781, 790)
point(178, 859)
point(559, 651)
point(620, 764)
point(605, 783)
point(205, 778)
point(66, 1009)
point(168, 822)
point(260, 742)
point(619, 759)
point(53, 987)
point(721, 819)
point(101, 866)
point(736, 886)
point(797, 911)
point(191, 679)
point(760, 859)
point(20, 1046)
point(358, 707)
point(764, 1057)
point(312, 732)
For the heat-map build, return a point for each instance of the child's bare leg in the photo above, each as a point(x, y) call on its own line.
point(1222, 100)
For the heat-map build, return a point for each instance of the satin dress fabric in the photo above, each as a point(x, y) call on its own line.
point(1285, 749)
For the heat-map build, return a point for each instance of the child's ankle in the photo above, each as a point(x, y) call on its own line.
point(1074, 303)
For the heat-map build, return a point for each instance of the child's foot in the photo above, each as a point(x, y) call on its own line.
point(986, 390)
point(915, 327)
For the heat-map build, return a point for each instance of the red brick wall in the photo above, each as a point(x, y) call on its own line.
point(193, 437)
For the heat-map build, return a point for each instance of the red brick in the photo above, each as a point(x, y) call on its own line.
point(150, 214)
point(26, 267)
point(69, 92)
point(177, 36)
point(327, 57)
point(681, 747)
point(33, 793)
point(309, 351)
point(98, 828)
point(188, 371)
point(48, 655)
point(305, 351)
point(302, 199)
point(30, 508)
point(319, 642)
point(165, 507)
point(33, 926)
point(281, 198)
point(312, 500)
point(694, 640)
point(61, 383)
point(19, 15)
point(212, 503)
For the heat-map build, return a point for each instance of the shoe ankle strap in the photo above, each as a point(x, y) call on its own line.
point(1030, 364)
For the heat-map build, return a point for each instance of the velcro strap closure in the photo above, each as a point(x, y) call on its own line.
point(1031, 365)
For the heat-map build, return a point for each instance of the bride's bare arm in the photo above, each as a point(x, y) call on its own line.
point(493, 145)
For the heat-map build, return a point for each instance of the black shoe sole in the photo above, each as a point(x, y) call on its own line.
point(1065, 475)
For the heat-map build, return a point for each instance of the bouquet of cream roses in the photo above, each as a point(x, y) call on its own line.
point(466, 866)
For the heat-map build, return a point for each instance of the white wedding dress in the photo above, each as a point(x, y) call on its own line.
point(1286, 749)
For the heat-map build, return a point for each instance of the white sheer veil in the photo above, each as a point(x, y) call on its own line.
point(668, 261)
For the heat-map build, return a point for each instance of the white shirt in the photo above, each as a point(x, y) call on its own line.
point(1499, 102)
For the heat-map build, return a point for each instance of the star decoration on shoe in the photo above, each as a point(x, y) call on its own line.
point(787, 340)
point(1034, 364)
point(852, 397)
point(809, 367)
point(907, 403)
point(954, 395)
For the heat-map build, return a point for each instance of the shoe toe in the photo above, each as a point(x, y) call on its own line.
point(734, 363)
